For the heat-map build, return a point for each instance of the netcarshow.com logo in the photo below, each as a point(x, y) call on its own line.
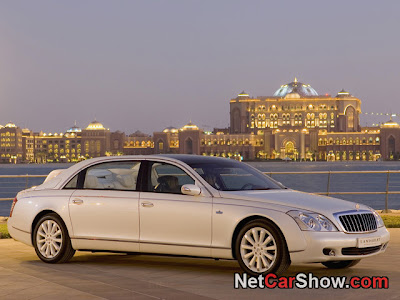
point(310, 281)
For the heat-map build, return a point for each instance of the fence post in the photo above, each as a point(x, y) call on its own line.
point(387, 210)
point(329, 183)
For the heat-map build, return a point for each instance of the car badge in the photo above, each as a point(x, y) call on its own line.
point(357, 206)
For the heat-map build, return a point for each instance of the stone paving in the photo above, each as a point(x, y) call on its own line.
point(120, 276)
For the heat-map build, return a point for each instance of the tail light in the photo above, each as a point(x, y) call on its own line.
point(12, 206)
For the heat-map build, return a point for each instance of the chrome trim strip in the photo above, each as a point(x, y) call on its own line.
point(152, 243)
point(104, 239)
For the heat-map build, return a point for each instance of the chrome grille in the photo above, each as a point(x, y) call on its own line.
point(358, 222)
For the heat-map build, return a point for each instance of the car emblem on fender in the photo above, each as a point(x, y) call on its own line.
point(357, 206)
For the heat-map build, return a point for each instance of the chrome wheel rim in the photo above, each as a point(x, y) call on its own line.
point(49, 239)
point(258, 249)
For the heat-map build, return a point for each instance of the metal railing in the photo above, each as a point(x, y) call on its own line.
point(25, 184)
point(328, 192)
point(387, 192)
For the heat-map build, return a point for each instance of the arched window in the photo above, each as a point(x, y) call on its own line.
point(236, 119)
point(189, 146)
point(160, 146)
point(391, 147)
point(351, 118)
point(98, 146)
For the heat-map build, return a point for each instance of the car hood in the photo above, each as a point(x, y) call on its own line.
point(295, 200)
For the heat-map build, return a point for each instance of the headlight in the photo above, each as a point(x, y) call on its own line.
point(312, 221)
point(378, 218)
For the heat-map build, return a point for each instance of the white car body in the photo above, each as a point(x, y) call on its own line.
point(204, 225)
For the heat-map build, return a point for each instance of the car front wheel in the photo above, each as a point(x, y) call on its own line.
point(51, 240)
point(260, 248)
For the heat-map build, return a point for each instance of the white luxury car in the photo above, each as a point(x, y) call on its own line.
point(191, 205)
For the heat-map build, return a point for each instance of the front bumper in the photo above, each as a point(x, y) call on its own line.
point(337, 241)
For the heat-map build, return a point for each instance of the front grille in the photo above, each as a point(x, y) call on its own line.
point(358, 222)
point(360, 251)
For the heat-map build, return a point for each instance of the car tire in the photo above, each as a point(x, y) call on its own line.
point(51, 240)
point(340, 264)
point(260, 248)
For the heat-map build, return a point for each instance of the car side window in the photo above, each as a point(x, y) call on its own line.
point(73, 183)
point(166, 178)
point(112, 176)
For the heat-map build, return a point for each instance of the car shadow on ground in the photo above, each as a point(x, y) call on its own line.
point(143, 264)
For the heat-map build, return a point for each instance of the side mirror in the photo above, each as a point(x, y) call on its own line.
point(190, 189)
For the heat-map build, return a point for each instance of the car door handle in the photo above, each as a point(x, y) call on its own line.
point(147, 204)
point(77, 201)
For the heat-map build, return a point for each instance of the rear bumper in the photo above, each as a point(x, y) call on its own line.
point(344, 246)
point(18, 234)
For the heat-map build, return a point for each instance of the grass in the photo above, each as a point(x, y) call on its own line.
point(390, 222)
point(4, 231)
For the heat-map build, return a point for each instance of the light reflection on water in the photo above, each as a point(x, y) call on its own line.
point(308, 183)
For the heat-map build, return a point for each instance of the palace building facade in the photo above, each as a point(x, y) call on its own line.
point(297, 123)
point(294, 123)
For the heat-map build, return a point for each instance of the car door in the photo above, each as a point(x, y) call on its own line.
point(105, 208)
point(171, 222)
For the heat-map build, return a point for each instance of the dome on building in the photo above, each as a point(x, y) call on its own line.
point(190, 126)
point(343, 93)
point(170, 129)
point(74, 129)
point(10, 125)
point(243, 94)
point(95, 125)
point(390, 124)
point(304, 90)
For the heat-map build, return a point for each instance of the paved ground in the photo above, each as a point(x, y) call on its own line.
point(112, 276)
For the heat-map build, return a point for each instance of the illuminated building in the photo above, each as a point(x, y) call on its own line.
point(299, 124)
point(138, 143)
point(10, 143)
point(293, 119)
point(95, 140)
point(294, 123)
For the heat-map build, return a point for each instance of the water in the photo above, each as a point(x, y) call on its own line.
point(308, 183)
point(9, 187)
point(340, 182)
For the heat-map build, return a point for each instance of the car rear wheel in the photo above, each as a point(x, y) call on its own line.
point(340, 264)
point(260, 248)
point(51, 240)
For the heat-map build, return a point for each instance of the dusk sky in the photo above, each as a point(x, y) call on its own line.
point(146, 65)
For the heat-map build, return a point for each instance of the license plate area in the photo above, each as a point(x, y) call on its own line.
point(368, 242)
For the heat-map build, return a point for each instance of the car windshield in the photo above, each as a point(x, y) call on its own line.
point(234, 176)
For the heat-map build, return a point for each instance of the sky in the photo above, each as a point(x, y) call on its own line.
point(145, 65)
